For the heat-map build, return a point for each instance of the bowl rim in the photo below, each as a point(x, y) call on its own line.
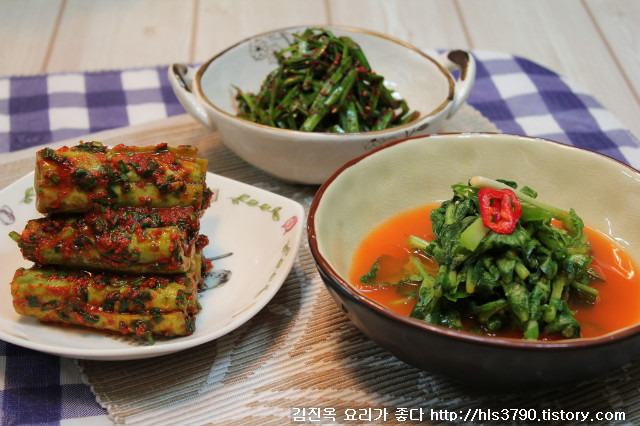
point(348, 290)
point(416, 123)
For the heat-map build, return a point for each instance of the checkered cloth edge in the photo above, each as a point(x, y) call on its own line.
point(42, 389)
point(37, 110)
point(516, 94)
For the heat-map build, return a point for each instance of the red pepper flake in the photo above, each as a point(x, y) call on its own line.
point(500, 209)
point(124, 328)
point(141, 328)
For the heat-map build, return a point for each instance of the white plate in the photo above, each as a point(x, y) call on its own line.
point(262, 230)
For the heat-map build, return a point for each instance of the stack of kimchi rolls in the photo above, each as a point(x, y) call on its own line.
point(119, 247)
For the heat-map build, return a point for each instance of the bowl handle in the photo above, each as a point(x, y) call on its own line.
point(464, 62)
point(181, 80)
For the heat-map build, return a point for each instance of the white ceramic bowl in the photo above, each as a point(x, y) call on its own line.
point(426, 83)
point(403, 175)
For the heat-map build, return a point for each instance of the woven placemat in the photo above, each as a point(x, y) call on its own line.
point(300, 360)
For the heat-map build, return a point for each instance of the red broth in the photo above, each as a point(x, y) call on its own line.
point(618, 303)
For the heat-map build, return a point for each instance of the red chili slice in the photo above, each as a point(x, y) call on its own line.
point(500, 209)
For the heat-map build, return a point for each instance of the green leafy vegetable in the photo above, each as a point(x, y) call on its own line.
point(522, 280)
point(324, 83)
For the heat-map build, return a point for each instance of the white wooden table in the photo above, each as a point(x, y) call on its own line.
point(595, 43)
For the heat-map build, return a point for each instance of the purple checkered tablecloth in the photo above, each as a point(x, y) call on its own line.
point(517, 95)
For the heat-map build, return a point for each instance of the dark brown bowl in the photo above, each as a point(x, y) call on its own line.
point(414, 172)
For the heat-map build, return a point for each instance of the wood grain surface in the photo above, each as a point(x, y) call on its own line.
point(595, 43)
